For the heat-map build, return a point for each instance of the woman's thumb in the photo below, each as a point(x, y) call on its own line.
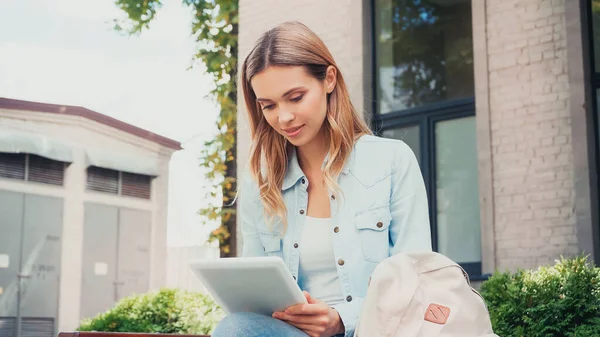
point(309, 298)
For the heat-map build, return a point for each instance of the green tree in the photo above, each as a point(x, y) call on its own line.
point(215, 28)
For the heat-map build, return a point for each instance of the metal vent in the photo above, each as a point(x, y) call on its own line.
point(8, 326)
point(12, 165)
point(103, 180)
point(136, 185)
point(37, 327)
point(47, 171)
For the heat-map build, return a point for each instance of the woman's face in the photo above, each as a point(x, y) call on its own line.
point(293, 102)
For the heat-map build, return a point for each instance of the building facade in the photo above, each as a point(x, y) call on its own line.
point(497, 98)
point(83, 204)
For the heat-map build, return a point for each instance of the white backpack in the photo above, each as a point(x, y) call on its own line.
point(422, 295)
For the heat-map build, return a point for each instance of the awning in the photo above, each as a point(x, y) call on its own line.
point(122, 161)
point(14, 141)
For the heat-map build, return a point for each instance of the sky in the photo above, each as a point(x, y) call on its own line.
point(66, 52)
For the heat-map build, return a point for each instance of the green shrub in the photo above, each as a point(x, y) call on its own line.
point(560, 300)
point(165, 311)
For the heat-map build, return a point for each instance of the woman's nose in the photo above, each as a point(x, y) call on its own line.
point(286, 116)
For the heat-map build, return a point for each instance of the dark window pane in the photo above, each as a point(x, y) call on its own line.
point(35, 327)
point(596, 33)
point(47, 171)
point(598, 109)
point(103, 180)
point(12, 165)
point(410, 135)
point(8, 326)
point(424, 52)
point(136, 185)
point(457, 191)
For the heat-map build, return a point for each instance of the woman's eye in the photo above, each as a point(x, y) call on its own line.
point(297, 98)
point(267, 107)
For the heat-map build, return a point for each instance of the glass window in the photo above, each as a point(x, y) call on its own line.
point(596, 32)
point(102, 180)
point(424, 52)
point(424, 60)
point(12, 165)
point(410, 135)
point(457, 190)
point(598, 110)
point(45, 170)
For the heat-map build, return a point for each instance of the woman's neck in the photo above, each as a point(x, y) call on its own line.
point(312, 155)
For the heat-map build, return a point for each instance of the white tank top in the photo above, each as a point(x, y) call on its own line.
point(318, 273)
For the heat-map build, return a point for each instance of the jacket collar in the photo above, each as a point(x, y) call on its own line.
point(295, 173)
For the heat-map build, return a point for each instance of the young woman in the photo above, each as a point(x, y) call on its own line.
point(323, 194)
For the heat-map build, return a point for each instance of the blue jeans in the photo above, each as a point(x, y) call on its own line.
point(246, 324)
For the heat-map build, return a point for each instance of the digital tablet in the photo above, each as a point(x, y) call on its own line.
point(261, 285)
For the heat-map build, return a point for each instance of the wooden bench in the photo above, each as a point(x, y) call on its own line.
point(120, 334)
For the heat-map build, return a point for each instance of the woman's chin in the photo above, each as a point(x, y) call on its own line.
point(296, 141)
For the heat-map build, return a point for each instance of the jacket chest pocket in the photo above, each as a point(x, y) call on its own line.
point(272, 243)
point(373, 231)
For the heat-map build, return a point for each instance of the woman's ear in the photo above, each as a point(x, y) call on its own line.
point(330, 79)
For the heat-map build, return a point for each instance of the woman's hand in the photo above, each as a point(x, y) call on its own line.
point(316, 318)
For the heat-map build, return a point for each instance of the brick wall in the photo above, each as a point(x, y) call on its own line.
point(339, 23)
point(530, 132)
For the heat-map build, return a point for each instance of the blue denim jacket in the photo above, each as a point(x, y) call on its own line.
point(382, 210)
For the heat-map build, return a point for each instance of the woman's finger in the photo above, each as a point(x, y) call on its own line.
point(308, 309)
point(305, 319)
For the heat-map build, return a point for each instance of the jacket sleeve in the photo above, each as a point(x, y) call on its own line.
point(409, 229)
point(248, 200)
point(349, 312)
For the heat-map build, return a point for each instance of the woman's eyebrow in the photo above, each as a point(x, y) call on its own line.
point(284, 95)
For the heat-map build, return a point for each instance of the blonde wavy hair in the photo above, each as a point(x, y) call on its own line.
point(294, 44)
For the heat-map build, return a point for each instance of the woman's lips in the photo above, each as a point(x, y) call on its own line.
point(293, 132)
